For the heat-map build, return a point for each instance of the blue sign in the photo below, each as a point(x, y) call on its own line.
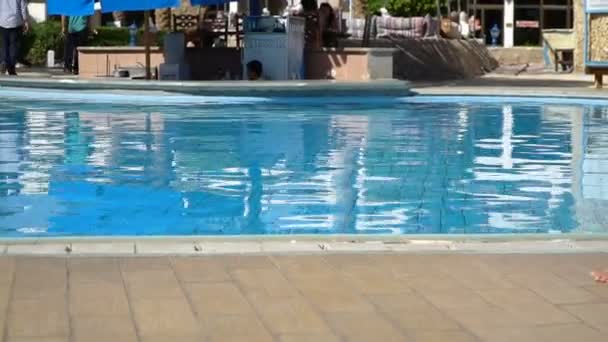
point(70, 7)
point(136, 5)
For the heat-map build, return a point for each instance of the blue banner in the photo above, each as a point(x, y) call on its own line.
point(136, 5)
point(70, 7)
point(208, 2)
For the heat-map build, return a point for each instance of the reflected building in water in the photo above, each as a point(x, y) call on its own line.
point(466, 169)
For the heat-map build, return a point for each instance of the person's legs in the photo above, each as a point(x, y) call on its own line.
point(3, 49)
point(80, 40)
point(14, 45)
point(68, 52)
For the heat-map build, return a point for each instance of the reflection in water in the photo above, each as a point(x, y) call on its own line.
point(262, 169)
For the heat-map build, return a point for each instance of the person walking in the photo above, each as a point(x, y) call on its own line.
point(13, 23)
point(75, 29)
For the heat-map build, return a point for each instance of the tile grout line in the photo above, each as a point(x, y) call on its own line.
point(313, 307)
point(380, 313)
point(9, 302)
point(275, 337)
point(67, 301)
point(186, 295)
point(128, 295)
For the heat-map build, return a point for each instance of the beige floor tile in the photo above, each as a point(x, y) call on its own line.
point(301, 265)
point(40, 277)
point(93, 265)
point(144, 263)
point(364, 327)
point(429, 318)
point(7, 269)
point(93, 270)
point(240, 338)
point(38, 339)
point(443, 336)
point(528, 306)
point(291, 316)
point(152, 284)
point(432, 282)
point(232, 325)
point(376, 281)
point(486, 318)
point(38, 318)
point(345, 261)
point(86, 328)
point(337, 301)
point(246, 262)
point(599, 290)
point(172, 339)
point(595, 315)
point(309, 338)
point(264, 283)
point(200, 269)
point(461, 299)
point(98, 299)
point(106, 338)
point(164, 317)
point(555, 289)
point(551, 333)
point(411, 311)
point(217, 298)
point(401, 302)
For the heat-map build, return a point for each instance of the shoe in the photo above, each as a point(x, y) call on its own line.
point(2, 69)
point(12, 71)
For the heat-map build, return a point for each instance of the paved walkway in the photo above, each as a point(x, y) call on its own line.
point(355, 297)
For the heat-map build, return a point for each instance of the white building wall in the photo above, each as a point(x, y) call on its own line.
point(37, 10)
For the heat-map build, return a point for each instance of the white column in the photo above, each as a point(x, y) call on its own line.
point(509, 23)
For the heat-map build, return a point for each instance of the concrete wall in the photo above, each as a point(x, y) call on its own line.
point(349, 64)
point(517, 55)
point(436, 59)
point(101, 62)
point(205, 64)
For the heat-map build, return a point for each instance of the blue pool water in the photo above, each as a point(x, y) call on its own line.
point(258, 166)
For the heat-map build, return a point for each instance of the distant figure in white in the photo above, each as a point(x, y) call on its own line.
point(463, 25)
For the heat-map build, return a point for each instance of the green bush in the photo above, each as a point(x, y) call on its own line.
point(46, 36)
point(403, 8)
point(119, 36)
point(41, 38)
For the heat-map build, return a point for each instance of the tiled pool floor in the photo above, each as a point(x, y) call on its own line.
point(347, 297)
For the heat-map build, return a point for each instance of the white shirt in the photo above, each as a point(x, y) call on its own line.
point(13, 13)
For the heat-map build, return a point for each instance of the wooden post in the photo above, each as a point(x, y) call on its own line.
point(147, 43)
point(599, 80)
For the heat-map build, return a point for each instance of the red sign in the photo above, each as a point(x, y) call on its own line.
point(527, 24)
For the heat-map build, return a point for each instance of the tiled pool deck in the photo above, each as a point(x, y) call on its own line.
point(341, 297)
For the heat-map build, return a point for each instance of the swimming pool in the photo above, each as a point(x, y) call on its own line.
point(92, 165)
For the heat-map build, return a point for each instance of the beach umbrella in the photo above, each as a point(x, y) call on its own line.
point(71, 7)
point(86, 7)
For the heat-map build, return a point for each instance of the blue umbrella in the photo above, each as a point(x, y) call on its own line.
point(86, 7)
point(70, 7)
point(136, 5)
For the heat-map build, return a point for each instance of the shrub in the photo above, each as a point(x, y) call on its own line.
point(41, 38)
point(404, 8)
point(46, 36)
